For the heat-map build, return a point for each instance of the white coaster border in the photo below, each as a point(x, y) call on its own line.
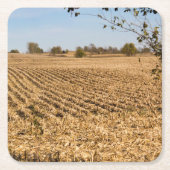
point(7, 162)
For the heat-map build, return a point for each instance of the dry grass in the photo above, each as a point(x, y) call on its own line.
point(89, 109)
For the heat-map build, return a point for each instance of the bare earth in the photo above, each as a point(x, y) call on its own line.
point(87, 109)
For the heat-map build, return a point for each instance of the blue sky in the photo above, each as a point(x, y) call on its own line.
point(54, 26)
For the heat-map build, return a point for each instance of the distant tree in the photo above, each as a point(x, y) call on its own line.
point(105, 50)
point(39, 50)
point(92, 48)
point(100, 50)
point(56, 50)
point(79, 48)
point(86, 48)
point(146, 50)
point(79, 53)
point(129, 49)
point(110, 50)
point(146, 32)
point(115, 50)
point(33, 47)
point(14, 51)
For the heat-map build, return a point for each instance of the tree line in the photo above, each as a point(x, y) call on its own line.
point(128, 49)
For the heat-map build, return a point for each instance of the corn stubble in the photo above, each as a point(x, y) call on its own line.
point(90, 109)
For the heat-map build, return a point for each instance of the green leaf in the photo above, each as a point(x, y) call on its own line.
point(112, 27)
point(123, 21)
point(77, 13)
point(99, 16)
point(145, 33)
point(144, 13)
point(104, 26)
point(127, 10)
point(145, 25)
point(119, 25)
point(139, 39)
point(105, 9)
point(136, 12)
point(155, 12)
point(156, 29)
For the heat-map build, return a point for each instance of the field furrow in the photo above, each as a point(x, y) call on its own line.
point(65, 109)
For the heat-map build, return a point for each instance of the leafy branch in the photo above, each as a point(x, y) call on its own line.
point(145, 33)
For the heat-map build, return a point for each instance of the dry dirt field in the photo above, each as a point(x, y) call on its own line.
point(87, 109)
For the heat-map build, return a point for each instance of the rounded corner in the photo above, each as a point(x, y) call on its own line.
point(156, 11)
point(13, 156)
point(156, 158)
point(13, 11)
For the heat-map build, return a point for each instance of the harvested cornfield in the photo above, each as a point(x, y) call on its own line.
point(87, 109)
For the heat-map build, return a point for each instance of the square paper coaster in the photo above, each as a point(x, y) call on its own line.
point(84, 85)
